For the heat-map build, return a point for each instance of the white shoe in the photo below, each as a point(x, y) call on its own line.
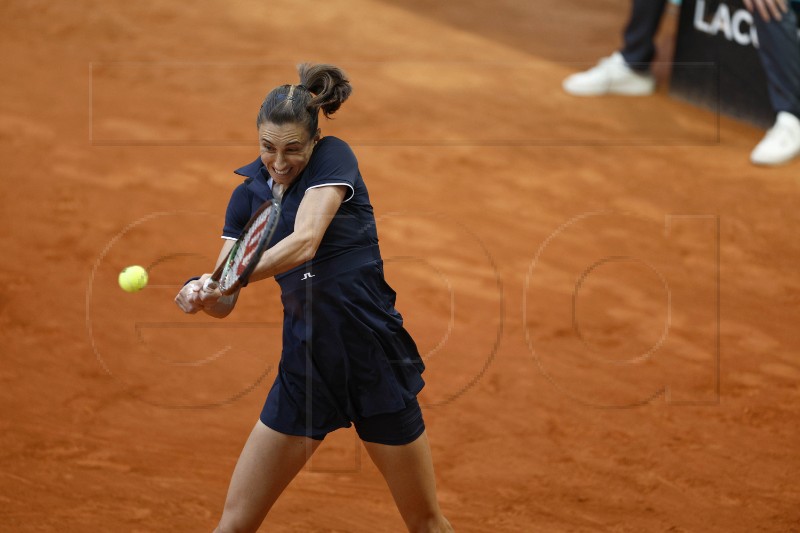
point(780, 144)
point(611, 76)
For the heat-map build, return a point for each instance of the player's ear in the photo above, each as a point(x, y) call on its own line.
point(318, 135)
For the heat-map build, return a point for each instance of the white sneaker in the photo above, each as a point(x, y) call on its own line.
point(611, 76)
point(780, 144)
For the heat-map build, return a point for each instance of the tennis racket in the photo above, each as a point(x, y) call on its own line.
point(235, 270)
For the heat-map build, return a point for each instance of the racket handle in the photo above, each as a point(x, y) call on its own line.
point(210, 285)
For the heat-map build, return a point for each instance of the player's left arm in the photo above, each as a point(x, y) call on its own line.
point(314, 215)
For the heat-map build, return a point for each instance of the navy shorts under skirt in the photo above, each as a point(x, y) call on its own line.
point(346, 357)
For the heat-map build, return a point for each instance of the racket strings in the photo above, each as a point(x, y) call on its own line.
point(245, 249)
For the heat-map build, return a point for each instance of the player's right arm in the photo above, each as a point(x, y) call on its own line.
point(189, 298)
point(236, 216)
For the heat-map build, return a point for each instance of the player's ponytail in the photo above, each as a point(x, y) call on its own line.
point(322, 87)
point(328, 83)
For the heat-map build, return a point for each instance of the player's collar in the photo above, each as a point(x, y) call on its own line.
point(253, 170)
point(258, 180)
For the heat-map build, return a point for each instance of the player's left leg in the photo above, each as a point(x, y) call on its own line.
point(408, 470)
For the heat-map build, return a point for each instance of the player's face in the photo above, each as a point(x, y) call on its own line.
point(285, 150)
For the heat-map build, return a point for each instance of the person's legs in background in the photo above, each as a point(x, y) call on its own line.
point(639, 47)
point(627, 71)
point(779, 51)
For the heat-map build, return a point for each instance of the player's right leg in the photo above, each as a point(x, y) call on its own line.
point(268, 462)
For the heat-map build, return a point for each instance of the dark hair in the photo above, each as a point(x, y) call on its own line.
point(322, 87)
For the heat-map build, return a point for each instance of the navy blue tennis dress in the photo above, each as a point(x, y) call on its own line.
point(346, 356)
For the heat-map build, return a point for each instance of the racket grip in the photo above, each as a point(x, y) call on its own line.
point(210, 285)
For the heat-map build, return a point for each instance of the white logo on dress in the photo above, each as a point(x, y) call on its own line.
point(307, 275)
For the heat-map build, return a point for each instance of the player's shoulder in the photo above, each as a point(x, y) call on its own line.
point(241, 200)
point(332, 153)
point(330, 145)
point(241, 191)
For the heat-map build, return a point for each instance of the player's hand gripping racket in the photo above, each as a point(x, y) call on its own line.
point(233, 272)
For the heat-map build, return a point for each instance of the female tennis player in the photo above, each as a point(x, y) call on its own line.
point(346, 358)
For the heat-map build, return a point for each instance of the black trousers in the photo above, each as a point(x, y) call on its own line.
point(779, 49)
point(639, 47)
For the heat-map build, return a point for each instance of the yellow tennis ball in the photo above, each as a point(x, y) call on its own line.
point(133, 278)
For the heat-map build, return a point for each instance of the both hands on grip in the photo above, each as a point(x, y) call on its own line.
point(209, 292)
point(198, 294)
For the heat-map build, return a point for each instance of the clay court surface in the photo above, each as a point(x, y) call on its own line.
point(605, 291)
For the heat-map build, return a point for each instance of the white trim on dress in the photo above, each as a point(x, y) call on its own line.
point(352, 190)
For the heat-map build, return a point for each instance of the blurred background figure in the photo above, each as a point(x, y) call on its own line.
point(628, 71)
